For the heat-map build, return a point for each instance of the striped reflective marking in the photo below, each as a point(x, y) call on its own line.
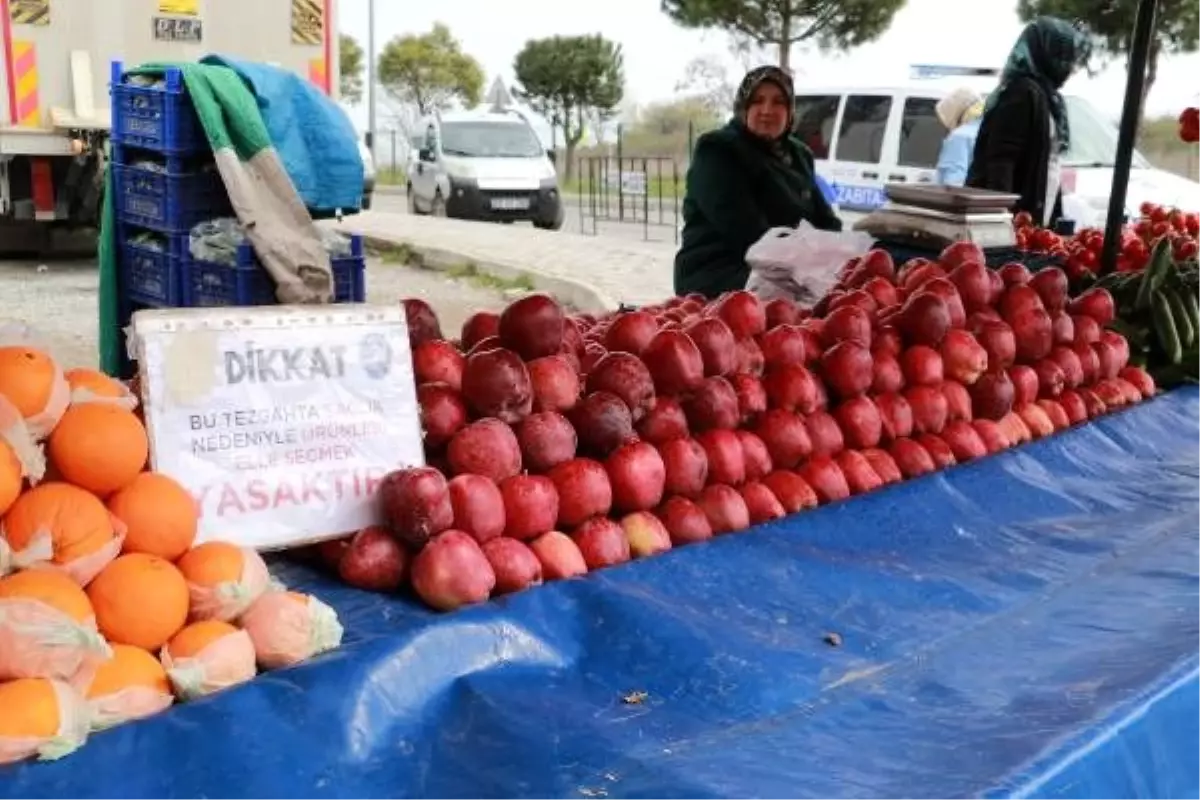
point(308, 22)
point(30, 12)
point(26, 79)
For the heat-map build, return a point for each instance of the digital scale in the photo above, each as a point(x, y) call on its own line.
point(928, 218)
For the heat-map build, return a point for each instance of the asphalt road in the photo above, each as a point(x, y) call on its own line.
point(588, 218)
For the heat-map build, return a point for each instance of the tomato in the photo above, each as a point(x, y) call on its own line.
point(1159, 214)
point(1187, 250)
point(1088, 258)
point(1147, 208)
point(1192, 223)
point(1023, 219)
point(1142, 228)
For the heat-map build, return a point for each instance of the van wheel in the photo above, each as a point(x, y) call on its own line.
point(438, 208)
point(412, 202)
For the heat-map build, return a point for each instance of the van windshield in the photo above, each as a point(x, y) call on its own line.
point(490, 140)
point(1093, 138)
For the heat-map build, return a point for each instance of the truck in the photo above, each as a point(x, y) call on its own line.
point(55, 114)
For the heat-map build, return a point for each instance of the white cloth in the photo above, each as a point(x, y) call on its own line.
point(1053, 175)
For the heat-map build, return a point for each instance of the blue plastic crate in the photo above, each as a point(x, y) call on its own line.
point(171, 203)
point(153, 276)
point(156, 118)
point(208, 284)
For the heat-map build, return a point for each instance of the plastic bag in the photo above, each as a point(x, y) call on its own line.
point(132, 702)
point(72, 729)
point(217, 241)
point(224, 662)
point(40, 553)
point(287, 628)
point(229, 599)
point(39, 641)
point(801, 264)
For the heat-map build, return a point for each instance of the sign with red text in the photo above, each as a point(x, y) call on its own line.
point(280, 420)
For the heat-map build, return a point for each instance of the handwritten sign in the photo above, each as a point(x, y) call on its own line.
point(280, 420)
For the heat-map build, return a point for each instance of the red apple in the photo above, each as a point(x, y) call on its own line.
point(958, 401)
point(532, 327)
point(716, 343)
point(479, 326)
point(1087, 330)
point(792, 491)
point(646, 534)
point(486, 447)
point(793, 388)
point(583, 490)
point(443, 412)
point(973, 283)
point(754, 454)
point(438, 361)
point(783, 345)
point(895, 416)
point(663, 422)
point(929, 408)
point(992, 395)
point(713, 405)
point(963, 357)
point(530, 506)
point(452, 571)
point(743, 313)
point(861, 477)
point(781, 311)
point(555, 383)
point(963, 441)
point(637, 476)
point(859, 420)
point(515, 565)
point(848, 323)
point(631, 332)
point(1051, 378)
point(686, 467)
point(674, 362)
point(1025, 385)
point(684, 520)
point(938, 450)
point(602, 423)
point(1051, 285)
point(998, 342)
point(826, 478)
point(884, 465)
point(888, 374)
point(625, 376)
point(912, 459)
point(546, 438)
point(496, 384)
point(848, 369)
point(761, 503)
point(1062, 327)
point(785, 436)
point(725, 509)
point(1096, 303)
point(749, 358)
point(961, 252)
point(478, 507)
point(423, 324)
point(416, 504)
point(751, 395)
point(373, 561)
point(924, 319)
point(602, 542)
point(824, 433)
point(726, 464)
point(559, 555)
point(992, 435)
point(922, 366)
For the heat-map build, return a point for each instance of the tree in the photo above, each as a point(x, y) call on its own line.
point(664, 129)
point(783, 23)
point(350, 69)
point(429, 70)
point(706, 80)
point(1110, 22)
point(572, 81)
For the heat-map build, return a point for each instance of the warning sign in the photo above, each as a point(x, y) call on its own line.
point(308, 22)
point(29, 12)
point(180, 8)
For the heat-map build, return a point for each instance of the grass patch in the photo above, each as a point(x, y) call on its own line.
point(469, 272)
point(396, 254)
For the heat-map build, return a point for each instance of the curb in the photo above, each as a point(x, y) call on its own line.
point(581, 296)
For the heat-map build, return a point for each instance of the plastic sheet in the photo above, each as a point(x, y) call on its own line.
point(1024, 625)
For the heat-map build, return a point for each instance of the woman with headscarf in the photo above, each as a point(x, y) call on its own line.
point(746, 178)
point(1025, 129)
point(959, 113)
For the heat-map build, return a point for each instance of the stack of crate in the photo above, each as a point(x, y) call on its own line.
point(165, 181)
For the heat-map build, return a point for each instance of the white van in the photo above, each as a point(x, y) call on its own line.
point(484, 165)
point(890, 134)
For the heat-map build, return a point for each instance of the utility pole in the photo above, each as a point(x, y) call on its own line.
point(371, 79)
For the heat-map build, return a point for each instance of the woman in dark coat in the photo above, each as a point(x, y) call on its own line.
point(746, 178)
point(1025, 130)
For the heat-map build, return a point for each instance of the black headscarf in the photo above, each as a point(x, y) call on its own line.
point(1048, 51)
point(757, 77)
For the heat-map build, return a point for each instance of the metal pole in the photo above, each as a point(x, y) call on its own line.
point(371, 77)
point(1143, 31)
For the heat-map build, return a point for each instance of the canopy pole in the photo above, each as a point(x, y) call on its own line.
point(1139, 52)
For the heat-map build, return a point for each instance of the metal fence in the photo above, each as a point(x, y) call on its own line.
point(642, 191)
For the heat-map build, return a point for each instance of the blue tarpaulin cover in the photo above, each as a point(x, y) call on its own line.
point(1023, 625)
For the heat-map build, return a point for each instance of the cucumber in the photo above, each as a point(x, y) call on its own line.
point(1164, 328)
point(1161, 263)
point(1181, 318)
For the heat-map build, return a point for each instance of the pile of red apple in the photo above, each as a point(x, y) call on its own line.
point(560, 445)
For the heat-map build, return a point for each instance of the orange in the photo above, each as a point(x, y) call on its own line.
point(30, 709)
point(212, 563)
point(190, 641)
point(33, 382)
point(77, 524)
point(129, 666)
point(52, 588)
point(93, 386)
point(12, 476)
point(99, 447)
point(140, 600)
point(160, 516)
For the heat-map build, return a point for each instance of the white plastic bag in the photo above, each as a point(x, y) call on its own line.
point(801, 263)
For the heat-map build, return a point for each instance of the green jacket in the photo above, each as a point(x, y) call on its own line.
point(737, 190)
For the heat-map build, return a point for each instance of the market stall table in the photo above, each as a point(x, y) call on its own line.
point(1023, 625)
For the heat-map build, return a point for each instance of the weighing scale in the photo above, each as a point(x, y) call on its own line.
point(928, 218)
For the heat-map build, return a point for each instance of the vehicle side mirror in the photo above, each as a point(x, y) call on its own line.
point(425, 154)
point(553, 156)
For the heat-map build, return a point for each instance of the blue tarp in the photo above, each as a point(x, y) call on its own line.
point(1023, 625)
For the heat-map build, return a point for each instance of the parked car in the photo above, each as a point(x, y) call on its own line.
point(864, 137)
point(484, 166)
point(368, 174)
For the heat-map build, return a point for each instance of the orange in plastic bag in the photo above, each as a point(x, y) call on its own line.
point(34, 383)
point(93, 386)
point(160, 516)
point(140, 600)
point(130, 685)
point(288, 627)
point(99, 447)
point(223, 579)
point(20, 456)
point(42, 718)
point(61, 526)
point(208, 656)
point(47, 628)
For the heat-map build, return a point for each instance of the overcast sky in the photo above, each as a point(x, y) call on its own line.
point(656, 50)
